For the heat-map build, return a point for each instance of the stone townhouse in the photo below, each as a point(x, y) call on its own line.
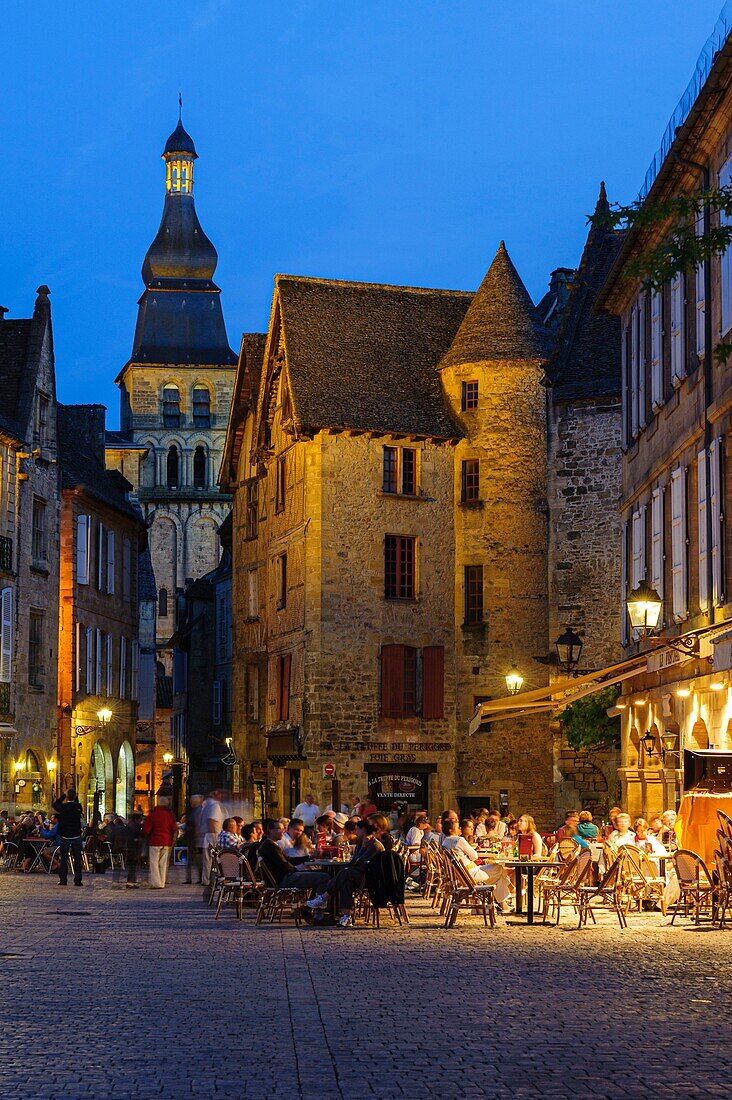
point(102, 535)
point(388, 466)
point(677, 416)
point(29, 559)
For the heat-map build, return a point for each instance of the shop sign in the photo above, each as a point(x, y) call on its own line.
point(665, 658)
point(393, 746)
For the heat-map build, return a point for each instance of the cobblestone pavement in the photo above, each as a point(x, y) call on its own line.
point(134, 994)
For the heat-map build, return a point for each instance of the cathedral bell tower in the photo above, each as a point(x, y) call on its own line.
point(175, 390)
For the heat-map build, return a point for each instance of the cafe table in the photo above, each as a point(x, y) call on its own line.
point(527, 867)
point(38, 844)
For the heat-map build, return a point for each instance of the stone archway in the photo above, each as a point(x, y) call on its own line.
point(699, 735)
point(101, 779)
point(125, 785)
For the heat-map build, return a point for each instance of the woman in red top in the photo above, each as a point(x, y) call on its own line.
point(161, 830)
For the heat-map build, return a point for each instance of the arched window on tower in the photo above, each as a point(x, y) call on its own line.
point(199, 468)
point(163, 603)
point(171, 406)
point(201, 407)
point(173, 471)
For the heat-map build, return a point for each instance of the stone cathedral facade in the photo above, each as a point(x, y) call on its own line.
point(175, 392)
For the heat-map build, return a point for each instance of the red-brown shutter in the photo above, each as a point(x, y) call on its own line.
point(433, 681)
point(392, 681)
point(285, 665)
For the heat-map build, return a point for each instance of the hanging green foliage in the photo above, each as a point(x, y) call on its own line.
point(586, 725)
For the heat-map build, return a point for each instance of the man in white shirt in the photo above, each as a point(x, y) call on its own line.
point(495, 829)
point(291, 839)
point(212, 821)
point(308, 812)
point(622, 834)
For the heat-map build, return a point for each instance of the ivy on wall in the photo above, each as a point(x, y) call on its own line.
point(586, 725)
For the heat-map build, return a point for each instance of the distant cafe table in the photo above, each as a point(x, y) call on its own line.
point(527, 867)
point(38, 844)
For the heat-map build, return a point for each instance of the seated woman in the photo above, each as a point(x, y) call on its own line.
point(648, 843)
point(229, 836)
point(526, 826)
point(383, 834)
point(622, 834)
point(490, 873)
point(586, 829)
point(467, 829)
point(352, 877)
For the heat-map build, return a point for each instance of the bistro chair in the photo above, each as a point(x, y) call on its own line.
point(725, 822)
point(572, 877)
point(278, 901)
point(609, 890)
point(231, 883)
point(640, 880)
point(695, 884)
point(214, 875)
point(8, 856)
point(723, 895)
point(467, 894)
point(567, 849)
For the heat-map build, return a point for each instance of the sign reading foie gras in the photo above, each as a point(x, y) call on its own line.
point(390, 787)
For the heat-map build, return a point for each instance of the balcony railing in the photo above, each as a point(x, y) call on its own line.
point(6, 554)
point(704, 63)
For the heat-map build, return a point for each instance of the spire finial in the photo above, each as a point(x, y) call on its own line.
point(180, 106)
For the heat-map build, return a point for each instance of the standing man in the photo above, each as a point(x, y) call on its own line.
point(161, 830)
point(212, 822)
point(308, 812)
point(70, 821)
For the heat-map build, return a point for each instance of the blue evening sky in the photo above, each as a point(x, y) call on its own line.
point(390, 141)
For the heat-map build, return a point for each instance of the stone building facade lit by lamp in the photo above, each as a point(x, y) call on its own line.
point(677, 415)
point(361, 552)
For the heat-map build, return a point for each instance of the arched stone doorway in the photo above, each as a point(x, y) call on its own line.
point(34, 773)
point(125, 786)
point(100, 779)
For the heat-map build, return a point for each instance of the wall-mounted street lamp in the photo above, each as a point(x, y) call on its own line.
point(569, 649)
point(167, 758)
point(514, 680)
point(104, 715)
point(644, 611)
point(669, 745)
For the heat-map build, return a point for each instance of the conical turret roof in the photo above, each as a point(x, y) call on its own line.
point(502, 321)
point(180, 141)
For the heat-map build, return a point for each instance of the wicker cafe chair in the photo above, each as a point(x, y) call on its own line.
point(725, 823)
point(723, 893)
point(431, 872)
point(567, 849)
point(609, 890)
point(278, 901)
point(468, 894)
point(443, 886)
point(231, 881)
point(8, 856)
point(566, 887)
point(214, 875)
point(695, 884)
point(640, 881)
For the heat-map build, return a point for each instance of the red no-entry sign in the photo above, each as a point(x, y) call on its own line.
point(329, 771)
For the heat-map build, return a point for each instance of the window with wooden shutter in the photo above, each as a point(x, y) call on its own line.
point(624, 392)
point(126, 570)
point(624, 591)
point(280, 483)
point(284, 668)
point(253, 693)
point(135, 671)
point(700, 291)
point(657, 395)
point(77, 657)
point(6, 635)
point(123, 668)
point(679, 565)
point(252, 593)
point(252, 525)
point(216, 709)
point(725, 263)
point(716, 498)
point(83, 535)
point(702, 506)
point(433, 681)
point(100, 557)
point(392, 681)
point(657, 542)
point(89, 643)
point(110, 562)
point(632, 337)
point(678, 344)
point(641, 354)
point(638, 570)
point(281, 581)
point(98, 657)
point(110, 665)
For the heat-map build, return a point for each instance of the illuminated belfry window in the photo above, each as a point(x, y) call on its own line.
point(179, 175)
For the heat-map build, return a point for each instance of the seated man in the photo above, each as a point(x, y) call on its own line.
point(285, 873)
point(495, 829)
point(569, 829)
point(352, 877)
point(294, 842)
point(229, 836)
point(490, 873)
point(622, 834)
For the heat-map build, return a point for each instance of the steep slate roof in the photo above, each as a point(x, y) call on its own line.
point(502, 322)
point(80, 466)
point(118, 442)
point(14, 336)
point(585, 362)
point(365, 355)
point(21, 344)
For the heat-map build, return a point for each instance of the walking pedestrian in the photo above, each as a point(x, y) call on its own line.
point(161, 830)
point(212, 820)
point(70, 823)
point(192, 838)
